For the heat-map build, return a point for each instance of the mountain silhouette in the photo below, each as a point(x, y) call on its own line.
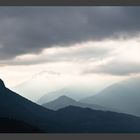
point(64, 101)
point(15, 126)
point(124, 95)
point(73, 119)
point(2, 85)
point(14, 106)
point(21, 115)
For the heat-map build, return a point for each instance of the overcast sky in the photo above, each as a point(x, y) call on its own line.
point(91, 43)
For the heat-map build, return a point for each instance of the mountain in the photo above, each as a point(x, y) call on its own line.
point(84, 120)
point(15, 126)
point(14, 106)
point(124, 96)
point(74, 92)
point(33, 89)
point(61, 102)
point(64, 101)
point(21, 115)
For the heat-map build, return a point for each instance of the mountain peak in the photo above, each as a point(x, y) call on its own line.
point(64, 97)
point(2, 85)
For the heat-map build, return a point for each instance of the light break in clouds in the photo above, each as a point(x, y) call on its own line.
point(90, 43)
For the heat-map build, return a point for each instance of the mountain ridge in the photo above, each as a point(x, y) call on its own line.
point(76, 93)
point(64, 101)
point(70, 119)
point(123, 95)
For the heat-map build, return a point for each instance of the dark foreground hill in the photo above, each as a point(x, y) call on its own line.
point(18, 108)
point(84, 120)
point(25, 116)
point(14, 126)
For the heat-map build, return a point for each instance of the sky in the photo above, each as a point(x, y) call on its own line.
point(93, 46)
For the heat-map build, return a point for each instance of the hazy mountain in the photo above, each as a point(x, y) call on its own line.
point(61, 102)
point(74, 92)
point(39, 84)
point(20, 113)
point(64, 101)
point(124, 96)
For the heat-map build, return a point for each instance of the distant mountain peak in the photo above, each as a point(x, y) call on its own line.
point(64, 97)
point(2, 85)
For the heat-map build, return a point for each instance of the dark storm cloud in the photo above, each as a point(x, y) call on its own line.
point(31, 29)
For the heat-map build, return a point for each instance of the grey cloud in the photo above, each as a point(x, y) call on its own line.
point(31, 29)
point(116, 68)
point(80, 54)
point(84, 54)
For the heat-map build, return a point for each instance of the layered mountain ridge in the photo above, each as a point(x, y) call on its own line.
point(65, 101)
point(124, 95)
point(19, 111)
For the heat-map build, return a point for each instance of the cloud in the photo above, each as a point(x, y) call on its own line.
point(78, 53)
point(25, 30)
point(116, 68)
